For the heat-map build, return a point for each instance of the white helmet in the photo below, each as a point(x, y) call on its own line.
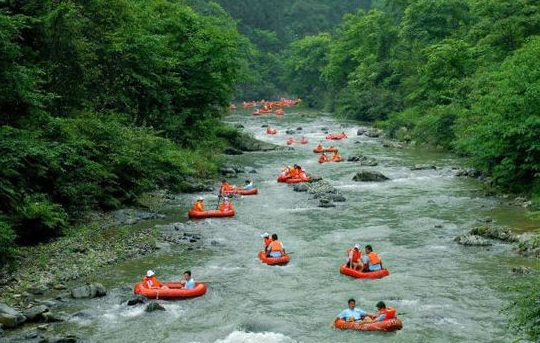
point(200, 199)
point(150, 273)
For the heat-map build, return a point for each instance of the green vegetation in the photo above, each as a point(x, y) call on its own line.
point(456, 74)
point(103, 100)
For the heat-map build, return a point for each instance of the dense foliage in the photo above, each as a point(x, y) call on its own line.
point(457, 74)
point(102, 100)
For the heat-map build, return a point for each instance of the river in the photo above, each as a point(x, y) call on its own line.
point(443, 292)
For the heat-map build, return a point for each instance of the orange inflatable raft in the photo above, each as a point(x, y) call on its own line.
point(393, 324)
point(298, 179)
point(290, 141)
point(175, 290)
point(256, 113)
point(318, 151)
point(283, 178)
point(262, 110)
point(242, 191)
point(274, 261)
point(363, 275)
point(332, 149)
point(302, 141)
point(210, 214)
point(336, 136)
point(279, 112)
point(271, 131)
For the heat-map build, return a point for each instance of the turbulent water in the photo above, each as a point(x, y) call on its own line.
point(443, 292)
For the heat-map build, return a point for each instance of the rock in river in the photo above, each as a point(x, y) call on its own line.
point(154, 306)
point(369, 176)
point(89, 291)
point(9, 317)
point(300, 187)
point(472, 240)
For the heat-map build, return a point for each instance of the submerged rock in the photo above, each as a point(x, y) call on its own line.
point(60, 339)
point(472, 240)
point(468, 172)
point(290, 132)
point(300, 187)
point(361, 131)
point(495, 232)
point(89, 291)
point(369, 176)
point(326, 203)
point(232, 151)
point(9, 317)
point(521, 270)
point(154, 306)
point(363, 160)
point(423, 167)
point(136, 299)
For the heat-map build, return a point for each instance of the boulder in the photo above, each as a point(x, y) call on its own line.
point(9, 317)
point(363, 160)
point(391, 144)
point(154, 306)
point(265, 125)
point(60, 339)
point(300, 187)
point(36, 289)
point(337, 197)
point(373, 133)
point(369, 176)
point(49, 317)
point(232, 151)
point(423, 167)
point(34, 314)
point(494, 232)
point(361, 131)
point(247, 142)
point(468, 172)
point(32, 334)
point(324, 128)
point(326, 203)
point(298, 129)
point(239, 126)
point(472, 240)
point(227, 171)
point(89, 291)
point(290, 132)
point(521, 270)
point(316, 178)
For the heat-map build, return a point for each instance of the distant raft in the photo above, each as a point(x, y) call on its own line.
point(336, 136)
point(242, 191)
point(363, 275)
point(298, 179)
point(175, 290)
point(274, 261)
point(210, 214)
point(389, 325)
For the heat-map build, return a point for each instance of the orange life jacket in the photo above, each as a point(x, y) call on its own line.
point(276, 246)
point(226, 206)
point(374, 258)
point(356, 254)
point(293, 173)
point(388, 311)
point(198, 206)
point(322, 158)
point(226, 187)
point(151, 282)
point(267, 241)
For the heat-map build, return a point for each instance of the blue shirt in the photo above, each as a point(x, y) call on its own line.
point(372, 267)
point(380, 318)
point(249, 186)
point(190, 284)
point(356, 313)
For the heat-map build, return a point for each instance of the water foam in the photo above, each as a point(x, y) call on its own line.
point(255, 337)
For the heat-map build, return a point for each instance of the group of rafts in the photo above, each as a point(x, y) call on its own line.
point(370, 267)
point(266, 107)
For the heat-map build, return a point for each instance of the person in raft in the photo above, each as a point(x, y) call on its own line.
point(343, 134)
point(319, 147)
point(385, 313)
point(353, 313)
point(189, 283)
point(354, 258)
point(225, 187)
point(249, 185)
point(150, 281)
point(323, 158)
point(336, 156)
point(372, 262)
point(285, 170)
point(199, 205)
point(267, 240)
point(275, 248)
point(226, 205)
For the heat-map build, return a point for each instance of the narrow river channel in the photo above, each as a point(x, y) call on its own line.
point(444, 292)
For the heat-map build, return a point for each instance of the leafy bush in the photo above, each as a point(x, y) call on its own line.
point(7, 239)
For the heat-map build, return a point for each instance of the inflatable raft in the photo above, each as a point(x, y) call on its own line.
point(283, 178)
point(262, 110)
point(318, 151)
point(271, 131)
point(302, 141)
point(298, 179)
point(279, 112)
point(210, 214)
point(290, 141)
point(242, 191)
point(256, 113)
point(274, 261)
point(393, 324)
point(332, 149)
point(175, 290)
point(363, 275)
point(336, 136)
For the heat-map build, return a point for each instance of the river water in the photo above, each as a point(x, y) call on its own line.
point(443, 292)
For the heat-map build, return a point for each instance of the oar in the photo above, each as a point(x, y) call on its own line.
point(219, 197)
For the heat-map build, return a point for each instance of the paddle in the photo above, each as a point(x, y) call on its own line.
point(219, 197)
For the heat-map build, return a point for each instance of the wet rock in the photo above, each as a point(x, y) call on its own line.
point(361, 131)
point(423, 167)
point(253, 171)
point(369, 176)
point(136, 299)
point(315, 178)
point(48, 303)
point(129, 216)
point(324, 128)
point(320, 188)
point(391, 144)
point(32, 334)
point(326, 203)
point(60, 287)
point(521, 270)
point(300, 187)
point(374, 133)
point(43, 327)
point(154, 306)
point(217, 244)
point(9, 317)
point(494, 232)
point(337, 197)
point(227, 171)
point(250, 170)
point(232, 151)
point(239, 126)
point(468, 172)
point(437, 226)
point(522, 202)
point(34, 314)
point(89, 291)
point(265, 125)
point(247, 142)
point(298, 129)
point(472, 240)
point(60, 339)
point(49, 317)
point(363, 160)
point(290, 132)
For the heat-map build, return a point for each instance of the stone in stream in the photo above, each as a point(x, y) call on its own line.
point(326, 203)
point(298, 129)
point(361, 131)
point(472, 240)
point(232, 151)
point(391, 144)
point(369, 176)
point(239, 126)
point(34, 314)
point(31, 334)
point(154, 306)
point(36, 289)
point(363, 160)
point(265, 125)
point(495, 232)
point(89, 291)
point(373, 133)
point(9, 317)
point(60, 339)
point(290, 132)
point(337, 197)
point(324, 128)
point(136, 299)
point(423, 167)
point(300, 187)
point(521, 270)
